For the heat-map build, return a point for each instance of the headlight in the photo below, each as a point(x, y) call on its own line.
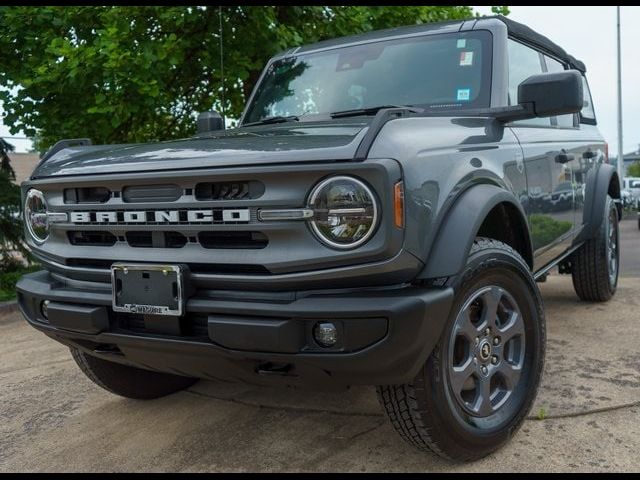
point(345, 212)
point(35, 213)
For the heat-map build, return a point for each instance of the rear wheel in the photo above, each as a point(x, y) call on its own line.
point(595, 265)
point(479, 383)
point(128, 381)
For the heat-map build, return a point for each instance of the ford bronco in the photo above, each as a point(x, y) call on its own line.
point(380, 216)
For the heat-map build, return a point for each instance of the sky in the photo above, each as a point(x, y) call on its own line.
point(589, 34)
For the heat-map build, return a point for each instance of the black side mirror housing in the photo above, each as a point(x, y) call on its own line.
point(210, 122)
point(552, 94)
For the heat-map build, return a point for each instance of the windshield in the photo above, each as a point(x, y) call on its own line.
point(437, 71)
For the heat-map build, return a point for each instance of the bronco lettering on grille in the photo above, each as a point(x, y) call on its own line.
point(227, 215)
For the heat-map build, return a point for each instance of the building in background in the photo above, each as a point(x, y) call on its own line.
point(23, 164)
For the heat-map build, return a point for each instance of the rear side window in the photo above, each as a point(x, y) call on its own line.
point(523, 62)
point(587, 114)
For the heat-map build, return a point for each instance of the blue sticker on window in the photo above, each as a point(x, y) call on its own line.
point(464, 94)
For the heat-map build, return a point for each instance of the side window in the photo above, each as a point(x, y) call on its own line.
point(553, 66)
point(523, 62)
point(587, 114)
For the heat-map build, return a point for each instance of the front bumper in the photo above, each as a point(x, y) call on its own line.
point(385, 334)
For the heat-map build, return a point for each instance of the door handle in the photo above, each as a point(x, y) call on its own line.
point(564, 157)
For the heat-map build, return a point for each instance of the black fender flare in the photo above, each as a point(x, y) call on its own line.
point(596, 190)
point(456, 233)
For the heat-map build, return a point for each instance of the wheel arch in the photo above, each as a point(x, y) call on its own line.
point(483, 209)
point(601, 181)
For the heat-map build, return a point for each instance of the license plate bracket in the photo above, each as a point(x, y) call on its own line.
point(148, 289)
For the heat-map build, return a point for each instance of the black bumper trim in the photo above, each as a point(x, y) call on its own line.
point(415, 319)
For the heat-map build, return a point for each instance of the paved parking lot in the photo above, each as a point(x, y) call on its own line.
point(53, 419)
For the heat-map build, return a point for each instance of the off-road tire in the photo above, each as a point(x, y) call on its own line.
point(590, 266)
point(128, 381)
point(423, 413)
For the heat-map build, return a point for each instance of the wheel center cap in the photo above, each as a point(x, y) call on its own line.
point(485, 350)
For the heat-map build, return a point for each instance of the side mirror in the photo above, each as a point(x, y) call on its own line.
point(552, 94)
point(210, 122)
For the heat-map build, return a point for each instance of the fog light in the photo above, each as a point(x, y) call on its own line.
point(325, 334)
point(44, 308)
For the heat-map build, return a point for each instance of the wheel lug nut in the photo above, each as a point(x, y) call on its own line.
point(494, 359)
point(475, 360)
point(487, 331)
point(496, 340)
point(477, 340)
point(483, 369)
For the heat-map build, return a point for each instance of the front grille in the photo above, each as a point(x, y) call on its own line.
point(240, 190)
point(205, 217)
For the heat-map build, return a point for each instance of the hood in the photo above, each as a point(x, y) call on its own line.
point(265, 144)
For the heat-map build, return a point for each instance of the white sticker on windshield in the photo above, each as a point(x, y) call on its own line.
point(462, 42)
point(466, 59)
point(463, 94)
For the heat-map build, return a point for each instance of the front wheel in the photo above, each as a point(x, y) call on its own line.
point(480, 381)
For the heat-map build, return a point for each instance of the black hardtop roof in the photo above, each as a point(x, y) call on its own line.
point(516, 30)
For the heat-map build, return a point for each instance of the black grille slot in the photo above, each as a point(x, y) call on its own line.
point(240, 190)
point(94, 239)
point(151, 193)
point(156, 239)
point(250, 240)
point(87, 195)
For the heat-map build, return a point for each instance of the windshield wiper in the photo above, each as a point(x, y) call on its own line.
point(367, 111)
point(276, 119)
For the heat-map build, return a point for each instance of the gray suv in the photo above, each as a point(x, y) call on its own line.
point(380, 216)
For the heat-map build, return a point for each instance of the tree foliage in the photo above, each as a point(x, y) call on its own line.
point(634, 169)
point(10, 224)
point(132, 74)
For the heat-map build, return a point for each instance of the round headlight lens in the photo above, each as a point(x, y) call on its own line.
point(345, 212)
point(35, 212)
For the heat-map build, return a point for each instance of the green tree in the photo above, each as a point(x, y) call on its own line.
point(634, 169)
point(132, 74)
point(10, 224)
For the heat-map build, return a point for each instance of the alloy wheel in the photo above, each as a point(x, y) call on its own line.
point(486, 351)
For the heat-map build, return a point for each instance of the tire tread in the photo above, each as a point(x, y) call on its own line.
point(589, 270)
